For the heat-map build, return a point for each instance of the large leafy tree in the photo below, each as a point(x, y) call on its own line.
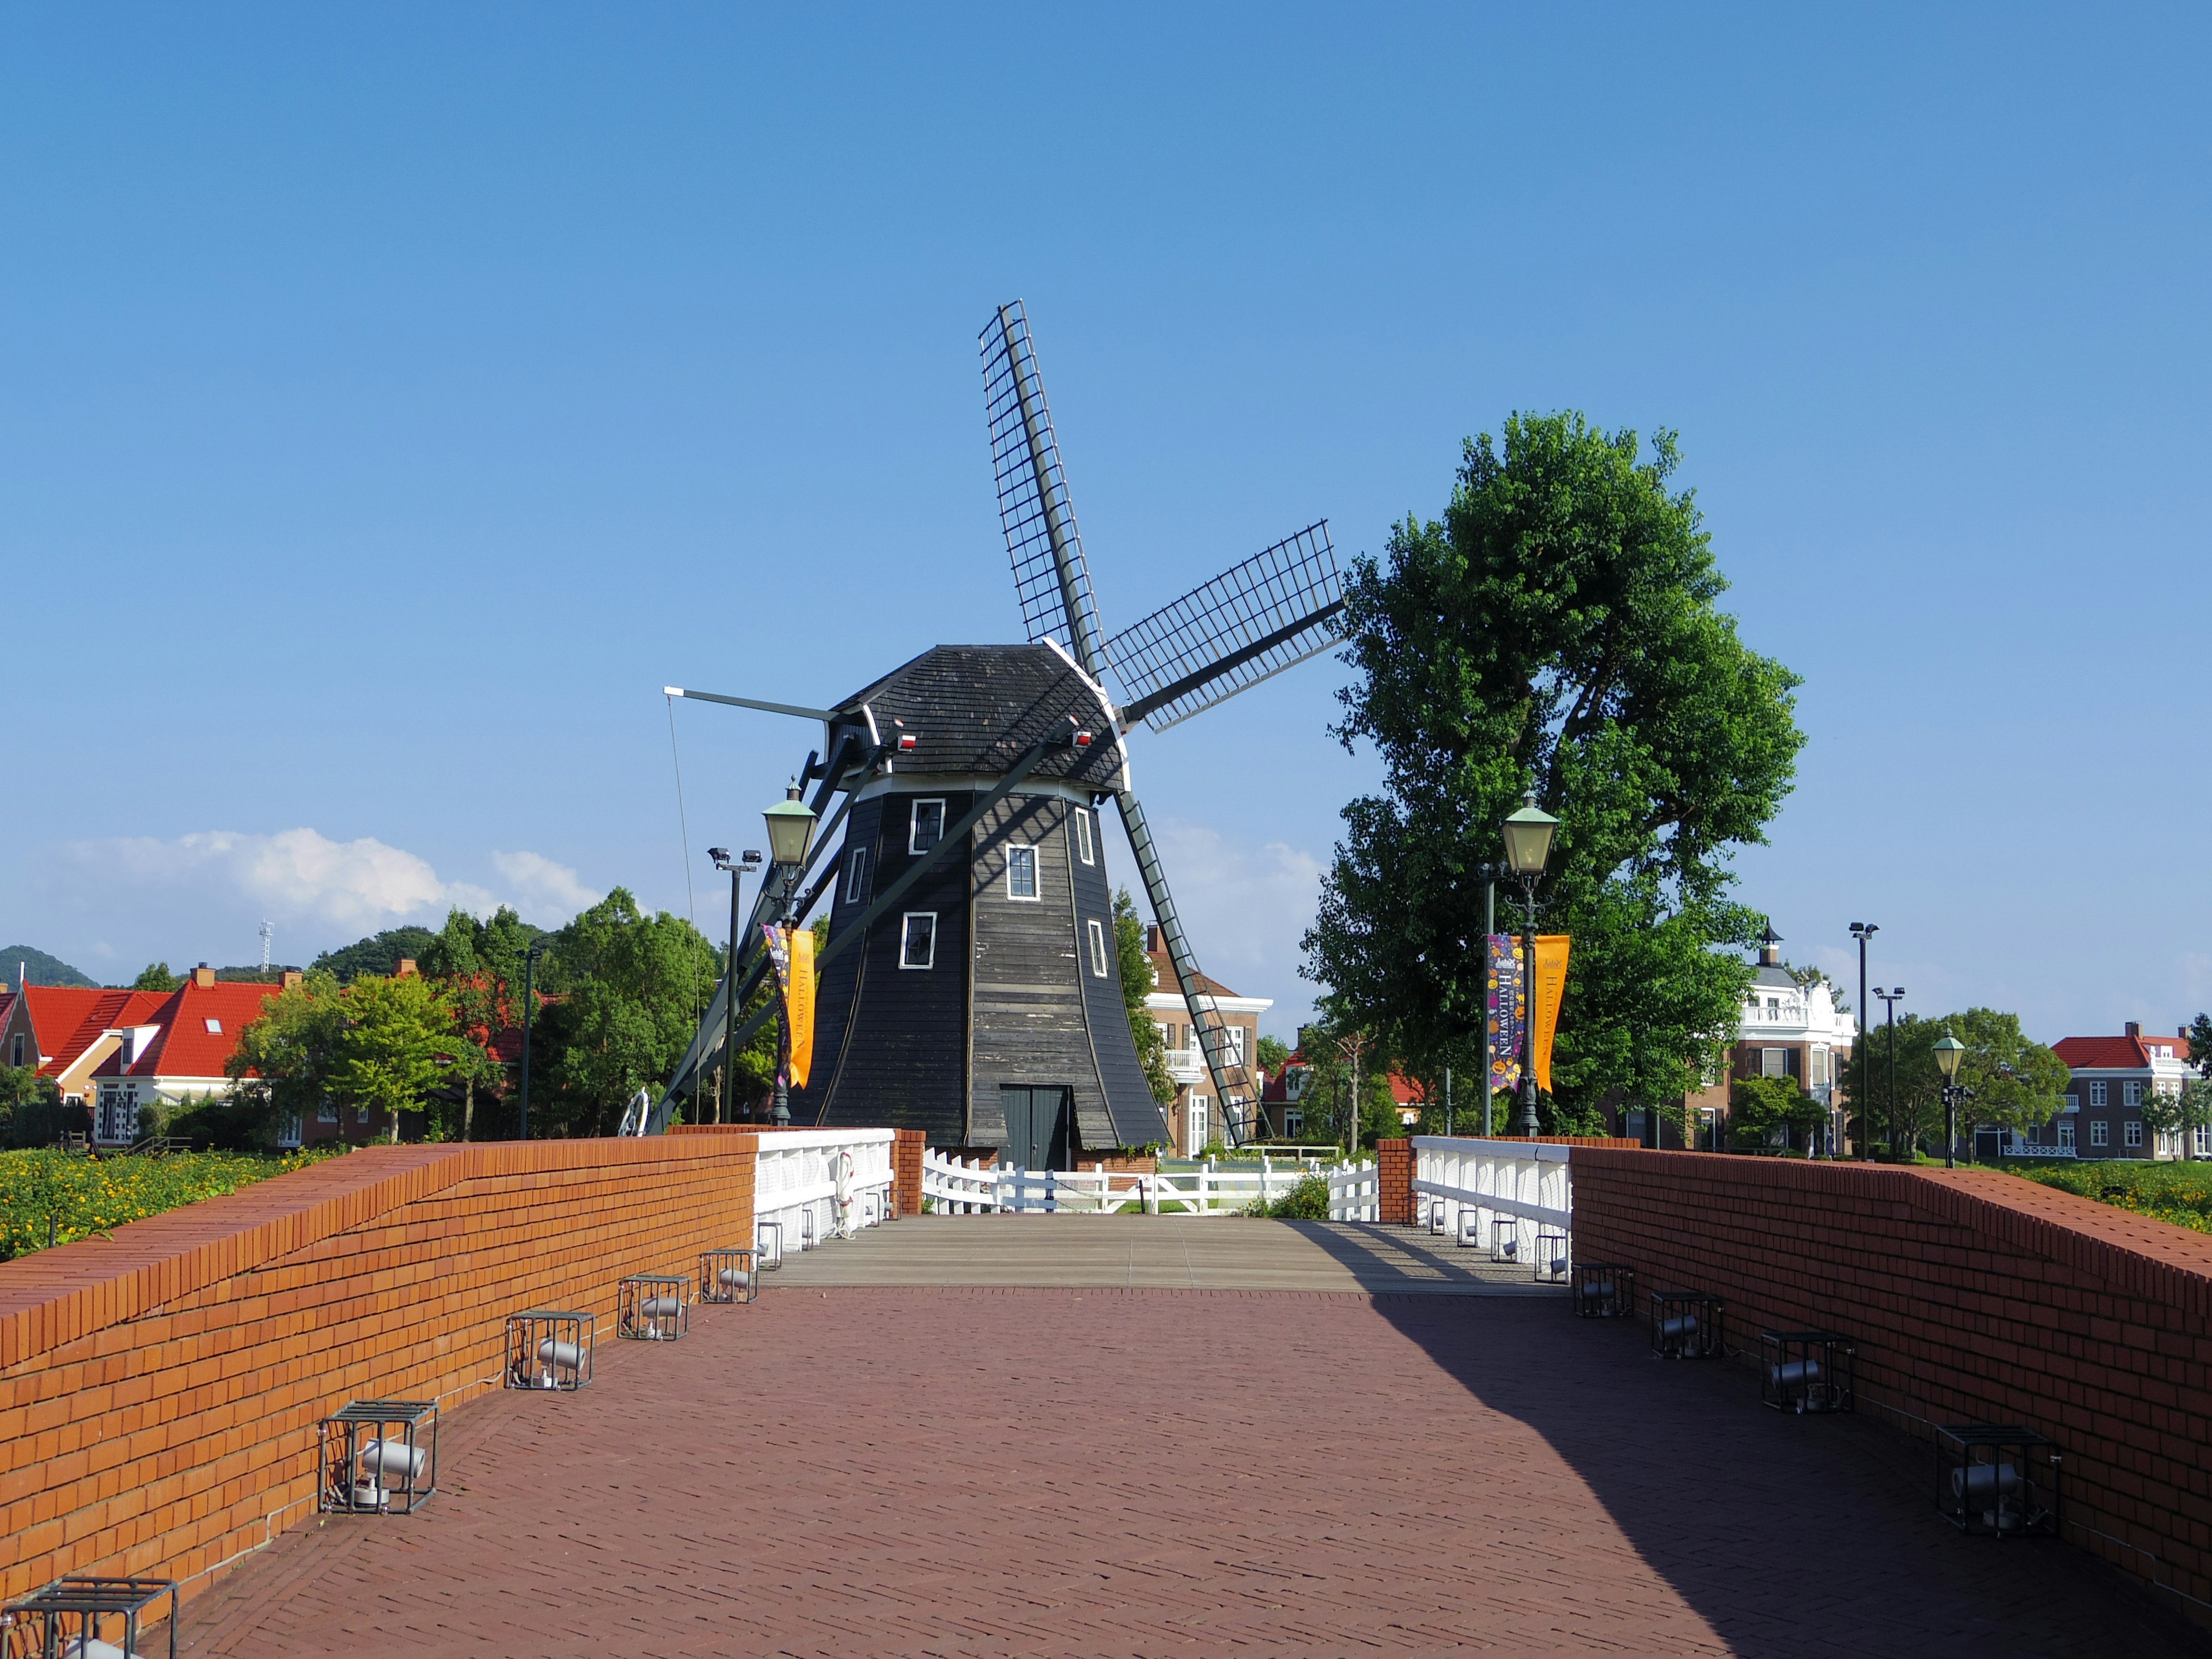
point(2016, 1081)
point(283, 1062)
point(156, 976)
point(1138, 980)
point(630, 989)
point(1555, 631)
point(398, 1037)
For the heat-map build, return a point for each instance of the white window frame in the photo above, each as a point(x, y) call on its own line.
point(2131, 1132)
point(1294, 1121)
point(1193, 1124)
point(2097, 1093)
point(2065, 1135)
point(856, 875)
point(914, 823)
point(1098, 948)
point(213, 1026)
point(2099, 1135)
point(1036, 885)
point(2202, 1141)
point(1085, 849)
point(906, 939)
point(1235, 1034)
point(2131, 1095)
point(1774, 1062)
point(327, 1112)
point(2073, 1103)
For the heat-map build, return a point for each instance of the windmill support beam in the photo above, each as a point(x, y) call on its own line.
point(1213, 1031)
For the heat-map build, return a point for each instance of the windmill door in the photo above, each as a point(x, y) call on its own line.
point(1036, 1126)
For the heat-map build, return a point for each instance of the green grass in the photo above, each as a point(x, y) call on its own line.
point(2180, 1193)
point(85, 1197)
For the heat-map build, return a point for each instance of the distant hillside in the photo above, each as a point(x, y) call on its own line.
point(38, 967)
point(253, 973)
point(379, 955)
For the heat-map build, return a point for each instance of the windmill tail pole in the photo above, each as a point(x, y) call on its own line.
point(1212, 1032)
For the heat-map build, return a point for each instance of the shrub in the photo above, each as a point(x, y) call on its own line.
point(1307, 1201)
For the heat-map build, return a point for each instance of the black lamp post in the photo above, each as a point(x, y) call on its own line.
point(529, 964)
point(1527, 848)
point(1890, 999)
point(1862, 931)
point(1949, 1051)
point(738, 869)
point(790, 832)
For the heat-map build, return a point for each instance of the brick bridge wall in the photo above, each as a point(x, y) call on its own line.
point(159, 1391)
point(1973, 1296)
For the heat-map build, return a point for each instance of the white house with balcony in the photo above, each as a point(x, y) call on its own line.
point(1787, 1028)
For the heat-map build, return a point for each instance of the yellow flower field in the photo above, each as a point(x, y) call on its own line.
point(83, 1196)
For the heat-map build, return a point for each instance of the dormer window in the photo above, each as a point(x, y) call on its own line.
point(214, 1027)
point(927, 826)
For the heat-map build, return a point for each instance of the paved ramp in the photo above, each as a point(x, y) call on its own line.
point(1141, 1252)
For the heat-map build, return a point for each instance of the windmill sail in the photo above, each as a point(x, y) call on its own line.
point(1050, 576)
point(1250, 623)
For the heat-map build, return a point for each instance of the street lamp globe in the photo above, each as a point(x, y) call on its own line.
point(790, 829)
point(1528, 837)
point(1949, 1051)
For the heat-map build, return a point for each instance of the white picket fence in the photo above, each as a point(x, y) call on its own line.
point(1355, 1192)
point(967, 1187)
point(818, 1184)
point(1496, 1195)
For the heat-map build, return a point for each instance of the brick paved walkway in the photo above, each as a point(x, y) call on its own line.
point(962, 1472)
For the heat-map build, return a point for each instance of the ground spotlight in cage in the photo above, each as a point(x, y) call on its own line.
point(1604, 1290)
point(1998, 1479)
point(379, 1457)
point(1554, 1256)
point(73, 1617)
point(652, 1307)
point(548, 1348)
point(1686, 1325)
point(726, 1276)
point(1806, 1371)
point(768, 1239)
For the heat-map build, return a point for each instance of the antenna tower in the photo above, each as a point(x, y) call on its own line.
point(267, 933)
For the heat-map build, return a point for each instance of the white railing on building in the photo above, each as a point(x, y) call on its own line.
point(967, 1187)
point(1355, 1192)
point(816, 1184)
point(1494, 1192)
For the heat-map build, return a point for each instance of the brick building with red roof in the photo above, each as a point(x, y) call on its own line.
point(2108, 1078)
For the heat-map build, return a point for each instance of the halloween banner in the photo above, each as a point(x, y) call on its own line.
point(791, 951)
point(1509, 1006)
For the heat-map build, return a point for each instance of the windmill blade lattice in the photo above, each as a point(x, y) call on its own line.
point(1249, 623)
point(1050, 576)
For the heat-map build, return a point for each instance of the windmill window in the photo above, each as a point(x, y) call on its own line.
point(1098, 949)
point(856, 875)
point(928, 826)
point(918, 939)
point(1083, 848)
point(1021, 872)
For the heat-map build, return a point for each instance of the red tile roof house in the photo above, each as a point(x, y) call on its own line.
point(1191, 1117)
point(2103, 1115)
point(113, 1051)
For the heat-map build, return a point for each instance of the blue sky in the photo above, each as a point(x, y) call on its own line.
point(394, 400)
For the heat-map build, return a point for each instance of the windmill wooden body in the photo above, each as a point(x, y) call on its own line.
point(971, 984)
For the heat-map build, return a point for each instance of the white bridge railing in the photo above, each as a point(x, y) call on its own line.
point(821, 1184)
point(1498, 1195)
point(967, 1187)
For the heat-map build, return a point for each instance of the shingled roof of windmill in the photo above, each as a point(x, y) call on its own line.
point(977, 708)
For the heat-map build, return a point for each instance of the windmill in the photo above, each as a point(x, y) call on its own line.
point(971, 777)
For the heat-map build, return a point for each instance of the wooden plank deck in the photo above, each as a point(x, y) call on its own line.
point(1136, 1252)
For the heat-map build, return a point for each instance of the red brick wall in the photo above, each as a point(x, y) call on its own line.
point(1393, 1182)
point(906, 1169)
point(159, 1391)
point(1974, 1297)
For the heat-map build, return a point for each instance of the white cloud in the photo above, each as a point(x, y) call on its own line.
point(302, 877)
point(1246, 905)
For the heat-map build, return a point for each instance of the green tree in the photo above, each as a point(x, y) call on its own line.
point(1759, 1105)
point(156, 976)
point(282, 1066)
point(1555, 630)
point(399, 1034)
point(1328, 1048)
point(2186, 1109)
point(631, 987)
point(1138, 980)
point(2016, 1082)
point(1272, 1054)
point(30, 1106)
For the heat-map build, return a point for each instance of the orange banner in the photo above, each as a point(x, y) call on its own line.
point(798, 1003)
point(1551, 991)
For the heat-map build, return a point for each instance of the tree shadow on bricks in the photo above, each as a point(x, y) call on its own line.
point(1789, 1535)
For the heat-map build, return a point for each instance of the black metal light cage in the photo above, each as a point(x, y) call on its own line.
point(1555, 1252)
point(1436, 1216)
point(1805, 1372)
point(1998, 1479)
point(727, 1276)
point(550, 1348)
point(1604, 1290)
point(806, 1238)
point(1505, 1238)
point(1687, 1325)
point(768, 1239)
point(652, 1307)
point(379, 1457)
point(71, 1615)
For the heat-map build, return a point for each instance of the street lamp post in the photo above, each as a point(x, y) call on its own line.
point(529, 964)
point(1949, 1051)
point(738, 869)
point(790, 832)
point(1890, 999)
point(1862, 931)
point(1527, 849)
